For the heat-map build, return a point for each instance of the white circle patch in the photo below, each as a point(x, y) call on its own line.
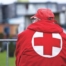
point(39, 49)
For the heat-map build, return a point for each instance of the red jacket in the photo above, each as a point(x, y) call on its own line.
point(43, 43)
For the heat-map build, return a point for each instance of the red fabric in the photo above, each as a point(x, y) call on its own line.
point(43, 42)
point(25, 54)
point(43, 13)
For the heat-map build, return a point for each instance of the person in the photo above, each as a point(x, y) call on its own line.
point(6, 30)
point(43, 43)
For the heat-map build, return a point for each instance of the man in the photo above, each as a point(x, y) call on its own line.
point(43, 43)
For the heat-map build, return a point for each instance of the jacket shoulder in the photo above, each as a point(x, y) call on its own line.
point(22, 33)
point(27, 32)
point(63, 35)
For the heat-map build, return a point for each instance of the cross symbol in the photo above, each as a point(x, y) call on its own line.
point(47, 42)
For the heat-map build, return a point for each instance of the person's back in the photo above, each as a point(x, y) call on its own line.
point(43, 43)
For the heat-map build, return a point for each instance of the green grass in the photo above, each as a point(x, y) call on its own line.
point(3, 60)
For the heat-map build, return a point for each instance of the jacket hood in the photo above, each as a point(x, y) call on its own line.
point(43, 13)
point(45, 26)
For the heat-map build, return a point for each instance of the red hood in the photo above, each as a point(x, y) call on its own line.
point(45, 26)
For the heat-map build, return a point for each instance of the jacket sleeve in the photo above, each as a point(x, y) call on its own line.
point(18, 49)
point(64, 47)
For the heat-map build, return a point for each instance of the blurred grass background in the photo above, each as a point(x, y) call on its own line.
point(3, 59)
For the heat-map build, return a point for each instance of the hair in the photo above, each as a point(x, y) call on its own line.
point(50, 18)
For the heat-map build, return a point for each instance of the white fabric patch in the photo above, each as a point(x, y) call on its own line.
point(39, 49)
